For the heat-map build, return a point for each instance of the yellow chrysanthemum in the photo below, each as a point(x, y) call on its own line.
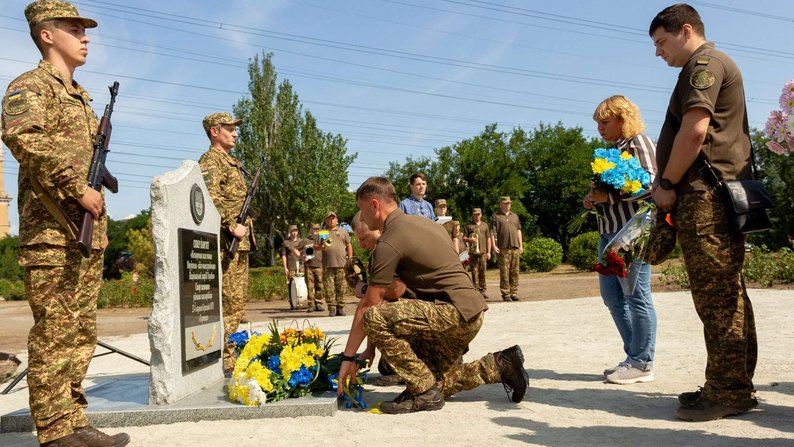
point(625, 155)
point(600, 165)
point(261, 374)
point(631, 186)
point(290, 361)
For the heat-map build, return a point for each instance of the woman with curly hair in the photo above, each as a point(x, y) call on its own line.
point(620, 124)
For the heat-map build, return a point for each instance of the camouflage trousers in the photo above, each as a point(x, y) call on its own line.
point(63, 337)
point(314, 287)
point(235, 287)
point(508, 271)
point(477, 267)
point(423, 342)
point(334, 285)
point(714, 257)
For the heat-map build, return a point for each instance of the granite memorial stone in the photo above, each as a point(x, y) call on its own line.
point(186, 325)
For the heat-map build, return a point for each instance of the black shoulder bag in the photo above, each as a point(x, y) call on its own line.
point(746, 201)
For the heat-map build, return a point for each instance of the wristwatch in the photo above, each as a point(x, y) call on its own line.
point(667, 185)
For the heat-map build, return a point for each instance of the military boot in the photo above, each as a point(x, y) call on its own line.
point(705, 409)
point(95, 438)
point(511, 369)
point(71, 440)
point(406, 402)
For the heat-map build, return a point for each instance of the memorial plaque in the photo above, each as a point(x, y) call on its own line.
point(202, 332)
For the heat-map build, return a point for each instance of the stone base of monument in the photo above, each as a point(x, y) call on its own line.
point(122, 401)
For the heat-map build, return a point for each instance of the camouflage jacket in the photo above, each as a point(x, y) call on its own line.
point(223, 175)
point(49, 127)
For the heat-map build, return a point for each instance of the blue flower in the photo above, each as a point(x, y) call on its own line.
point(239, 339)
point(273, 362)
point(300, 377)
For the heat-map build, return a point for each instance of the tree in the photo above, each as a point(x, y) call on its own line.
point(777, 172)
point(305, 172)
point(556, 163)
point(118, 240)
point(141, 246)
point(9, 259)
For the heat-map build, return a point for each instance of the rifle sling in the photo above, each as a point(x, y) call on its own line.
point(55, 210)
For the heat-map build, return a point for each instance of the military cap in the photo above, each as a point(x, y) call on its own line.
point(214, 119)
point(476, 211)
point(505, 199)
point(329, 214)
point(43, 10)
point(293, 227)
point(440, 202)
point(315, 226)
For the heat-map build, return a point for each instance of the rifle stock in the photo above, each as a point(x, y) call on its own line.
point(98, 174)
point(246, 209)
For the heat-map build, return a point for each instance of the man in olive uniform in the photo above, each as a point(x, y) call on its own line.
point(335, 255)
point(223, 175)
point(314, 272)
point(508, 246)
point(49, 126)
point(452, 227)
point(478, 237)
point(422, 338)
point(707, 114)
point(291, 253)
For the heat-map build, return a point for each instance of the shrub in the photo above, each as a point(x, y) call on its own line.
point(541, 254)
point(583, 250)
point(266, 284)
point(12, 290)
point(125, 292)
point(675, 274)
point(760, 266)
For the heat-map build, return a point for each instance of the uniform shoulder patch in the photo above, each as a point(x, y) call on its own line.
point(16, 103)
point(702, 79)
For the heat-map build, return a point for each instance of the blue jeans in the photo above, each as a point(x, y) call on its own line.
point(634, 314)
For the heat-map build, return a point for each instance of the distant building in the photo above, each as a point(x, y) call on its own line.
point(5, 227)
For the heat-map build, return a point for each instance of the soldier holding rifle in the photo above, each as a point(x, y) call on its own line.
point(50, 128)
point(223, 175)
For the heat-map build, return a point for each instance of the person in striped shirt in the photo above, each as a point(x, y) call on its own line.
point(620, 124)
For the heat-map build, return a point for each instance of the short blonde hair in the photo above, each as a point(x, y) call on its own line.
point(619, 106)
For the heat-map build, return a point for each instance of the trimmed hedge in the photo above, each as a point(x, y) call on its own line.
point(583, 250)
point(541, 254)
point(125, 293)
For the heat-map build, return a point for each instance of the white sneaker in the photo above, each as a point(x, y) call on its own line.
point(627, 374)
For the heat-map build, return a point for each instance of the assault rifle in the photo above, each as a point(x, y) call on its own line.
point(98, 175)
point(246, 210)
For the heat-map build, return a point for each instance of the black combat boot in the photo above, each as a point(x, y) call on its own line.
point(511, 369)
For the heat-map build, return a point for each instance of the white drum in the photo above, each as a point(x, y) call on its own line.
point(298, 292)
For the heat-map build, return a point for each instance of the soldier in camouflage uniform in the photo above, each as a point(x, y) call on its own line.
point(49, 126)
point(291, 258)
point(707, 114)
point(478, 238)
point(314, 272)
point(223, 175)
point(452, 227)
point(508, 246)
point(422, 338)
point(335, 255)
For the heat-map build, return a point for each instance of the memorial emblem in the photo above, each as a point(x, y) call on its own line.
point(197, 203)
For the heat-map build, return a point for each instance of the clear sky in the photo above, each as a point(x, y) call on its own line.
point(397, 78)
